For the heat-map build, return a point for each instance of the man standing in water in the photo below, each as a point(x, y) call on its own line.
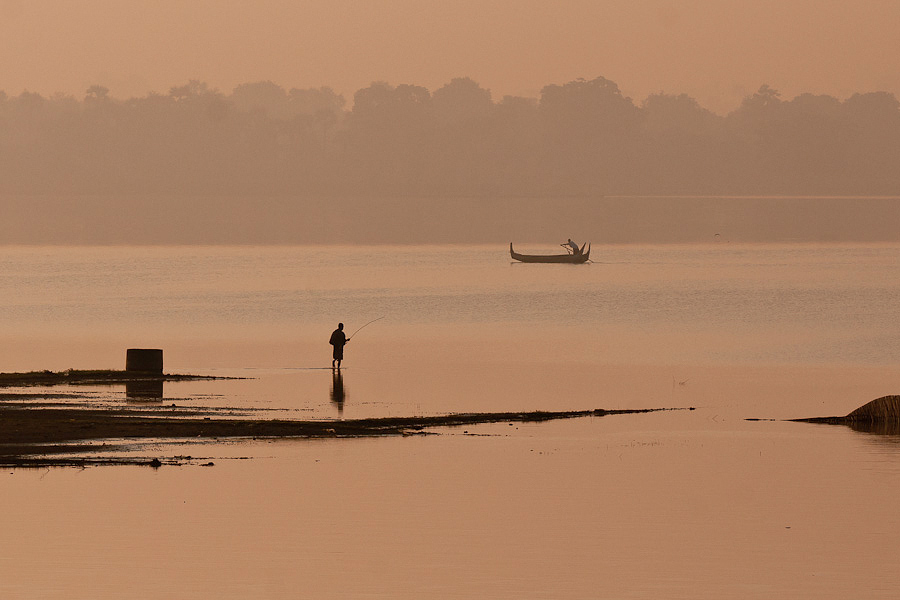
point(338, 340)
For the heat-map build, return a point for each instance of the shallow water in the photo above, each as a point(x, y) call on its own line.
point(688, 504)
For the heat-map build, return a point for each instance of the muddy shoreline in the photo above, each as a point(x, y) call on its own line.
point(46, 428)
point(35, 436)
point(32, 436)
point(93, 377)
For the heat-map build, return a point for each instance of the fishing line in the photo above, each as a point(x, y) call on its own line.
point(369, 323)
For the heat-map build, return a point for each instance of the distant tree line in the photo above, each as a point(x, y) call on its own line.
point(580, 138)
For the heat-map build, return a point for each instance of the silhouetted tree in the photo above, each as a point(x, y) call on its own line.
point(518, 142)
point(383, 105)
point(596, 106)
point(589, 131)
point(319, 113)
point(581, 137)
point(461, 101)
point(665, 113)
point(681, 150)
point(311, 101)
point(387, 137)
point(872, 137)
point(96, 93)
point(30, 101)
point(809, 145)
point(263, 96)
point(463, 139)
point(191, 90)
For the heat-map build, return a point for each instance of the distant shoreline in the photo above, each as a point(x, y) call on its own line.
point(196, 220)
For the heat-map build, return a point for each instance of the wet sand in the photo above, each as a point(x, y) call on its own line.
point(34, 435)
point(91, 377)
point(37, 430)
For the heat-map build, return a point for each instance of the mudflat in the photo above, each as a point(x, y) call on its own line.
point(89, 377)
point(37, 428)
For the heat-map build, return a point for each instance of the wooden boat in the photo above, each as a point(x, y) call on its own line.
point(576, 259)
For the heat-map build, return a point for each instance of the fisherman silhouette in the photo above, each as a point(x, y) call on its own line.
point(338, 340)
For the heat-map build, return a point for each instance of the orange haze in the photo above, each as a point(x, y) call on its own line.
point(713, 50)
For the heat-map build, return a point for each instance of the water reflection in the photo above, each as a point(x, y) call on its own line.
point(882, 427)
point(144, 391)
point(337, 390)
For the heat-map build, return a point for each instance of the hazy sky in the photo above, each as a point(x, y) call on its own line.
point(714, 50)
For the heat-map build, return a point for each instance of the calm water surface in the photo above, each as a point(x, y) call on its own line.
point(698, 504)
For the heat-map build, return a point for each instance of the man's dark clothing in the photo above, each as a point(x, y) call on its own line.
point(338, 339)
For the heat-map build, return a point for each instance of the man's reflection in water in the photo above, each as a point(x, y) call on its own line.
point(337, 390)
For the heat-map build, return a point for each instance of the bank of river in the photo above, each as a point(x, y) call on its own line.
point(38, 430)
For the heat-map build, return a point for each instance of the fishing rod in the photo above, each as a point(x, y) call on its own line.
point(369, 323)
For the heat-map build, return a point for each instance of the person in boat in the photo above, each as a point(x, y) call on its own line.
point(571, 247)
point(338, 340)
